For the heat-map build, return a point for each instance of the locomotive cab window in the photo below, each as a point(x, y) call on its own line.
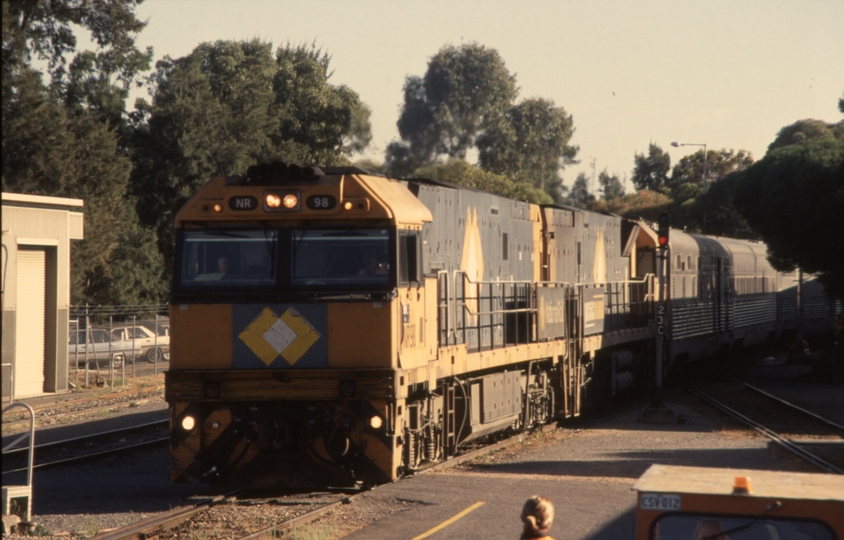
point(409, 270)
point(238, 257)
point(332, 257)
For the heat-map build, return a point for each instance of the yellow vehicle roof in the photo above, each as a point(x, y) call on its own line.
point(712, 481)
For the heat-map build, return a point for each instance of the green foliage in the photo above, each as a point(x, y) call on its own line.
point(466, 99)
point(229, 105)
point(804, 131)
point(644, 204)
point(651, 172)
point(45, 29)
point(611, 186)
point(458, 171)
point(794, 197)
point(135, 273)
point(463, 88)
point(695, 204)
point(60, 140)
point(579, 195)
point(687, 179)
point(99, 83)
point(529, 143)
point(722, 215)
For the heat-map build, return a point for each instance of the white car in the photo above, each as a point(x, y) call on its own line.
point(153, 348)
point(99, 347)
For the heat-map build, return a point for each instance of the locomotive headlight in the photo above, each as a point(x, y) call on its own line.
point(282, 200)
point(291, 201)
point(375, 422)
point(188, 423)
point(272, 200)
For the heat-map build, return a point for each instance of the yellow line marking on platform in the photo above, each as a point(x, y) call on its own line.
point(449, 521)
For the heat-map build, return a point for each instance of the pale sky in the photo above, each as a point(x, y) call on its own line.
point(727, 73)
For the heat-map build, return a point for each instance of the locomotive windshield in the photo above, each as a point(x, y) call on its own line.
point(334, 257)
point(226, 260)
point(239, 257)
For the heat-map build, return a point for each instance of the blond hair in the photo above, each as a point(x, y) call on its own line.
point(537, 516)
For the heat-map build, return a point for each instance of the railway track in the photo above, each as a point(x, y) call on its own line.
point(77, 449)
point(794, 447)
point(304, 512)
point(87, 405)
point(768, 395)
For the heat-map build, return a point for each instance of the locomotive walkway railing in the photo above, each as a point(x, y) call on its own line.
point(491, 314)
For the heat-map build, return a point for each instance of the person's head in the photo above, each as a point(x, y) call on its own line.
point(537, 517)
point(710, 529)
point(224, 265)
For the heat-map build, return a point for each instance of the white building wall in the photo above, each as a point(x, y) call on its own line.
point(48, 224)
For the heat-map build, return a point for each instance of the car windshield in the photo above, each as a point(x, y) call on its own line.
point(719, 527)
point(333, 257)
point(240, 257)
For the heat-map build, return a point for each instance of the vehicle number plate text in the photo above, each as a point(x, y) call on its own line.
point(658, 501)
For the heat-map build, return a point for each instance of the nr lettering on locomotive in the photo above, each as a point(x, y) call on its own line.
point(365, 326)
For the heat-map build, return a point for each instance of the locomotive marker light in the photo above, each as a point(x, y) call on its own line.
point(375, 422)
point(188, 423)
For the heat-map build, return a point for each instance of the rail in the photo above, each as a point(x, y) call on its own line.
point(826, 421)
point(774, 436)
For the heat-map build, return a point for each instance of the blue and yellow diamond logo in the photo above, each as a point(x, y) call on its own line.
point(289, 336)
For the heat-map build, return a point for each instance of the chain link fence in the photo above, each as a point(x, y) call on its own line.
point(108, 344)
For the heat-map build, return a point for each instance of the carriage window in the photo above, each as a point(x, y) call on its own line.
point(238, 257)
point(339, 257)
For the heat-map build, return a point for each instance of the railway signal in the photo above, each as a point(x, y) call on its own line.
point(663, 223)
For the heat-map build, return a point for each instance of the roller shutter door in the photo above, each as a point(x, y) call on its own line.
point(31, 322)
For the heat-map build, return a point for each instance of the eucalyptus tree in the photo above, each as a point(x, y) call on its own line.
point(230, 104)
point(62, 129)
point(651, 172)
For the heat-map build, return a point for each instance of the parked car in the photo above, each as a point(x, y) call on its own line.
point(153, 348)
point(99, 347)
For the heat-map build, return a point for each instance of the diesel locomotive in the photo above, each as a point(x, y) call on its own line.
point(333, 327)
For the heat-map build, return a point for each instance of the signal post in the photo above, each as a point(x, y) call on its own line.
point(657, 412)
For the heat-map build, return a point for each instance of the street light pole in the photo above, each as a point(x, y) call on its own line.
point(705, 184)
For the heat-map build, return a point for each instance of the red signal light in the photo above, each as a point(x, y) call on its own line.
point(663, 224)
